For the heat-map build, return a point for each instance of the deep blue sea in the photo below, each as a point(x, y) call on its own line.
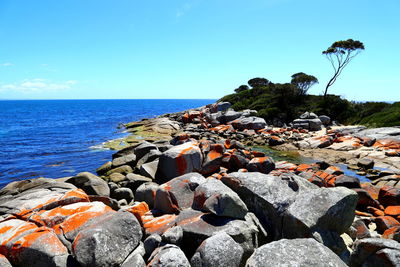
point(55, 138)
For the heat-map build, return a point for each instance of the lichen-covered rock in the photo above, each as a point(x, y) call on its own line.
point(168, 256)
point(108, 241)
point(296, 253)
point(212, 159)
point(173, 235)
point(178, 193)
point(149, 169)
point(371, 251)
point(4, 262)
point(261, 164)
point(215, 197)
point(179, 160)
point(218, 250)
point(26, 244)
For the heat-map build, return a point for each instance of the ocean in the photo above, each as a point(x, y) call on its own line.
point(58, 138)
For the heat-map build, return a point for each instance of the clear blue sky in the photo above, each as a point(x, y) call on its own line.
point(191, 48)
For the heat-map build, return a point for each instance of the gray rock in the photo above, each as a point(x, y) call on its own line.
point(264, 195)
point(380, 133)
point(222, 106)
point(146, 192)
point(90, 183)
point(144, 148)
point(325, 120)
point(230, 115)
point(366, 163)
point(129, 159)
point(308, 115)
point(215, 197)
point(109, 241)
point(327, 209)
point(178, 193)
point(254, 123)
point(219, 250)
point(384, 257)
point(149, 169)
point(151, 243)
point(347, 181)
point(173, 235)
point(133, 181)
point(4, 262)
point(122, 193)
point(134, 260)
point(179, 160)
point(294, 253)
point(168, 256)
point(367, 250)
point(314, 124)
point(117, 177)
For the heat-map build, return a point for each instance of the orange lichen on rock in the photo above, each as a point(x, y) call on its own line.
point(303, 167)
point(372, 190)
point(139, 210)
point(392, 210)
point(376, 212)
point(391, 232)
point(159, 224)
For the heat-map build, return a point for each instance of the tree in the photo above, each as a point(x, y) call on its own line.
point(340, 53)
point(241, 88)
point(256, 82)
point(303, 82)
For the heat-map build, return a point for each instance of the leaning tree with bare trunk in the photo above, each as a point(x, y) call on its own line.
point(340, 53)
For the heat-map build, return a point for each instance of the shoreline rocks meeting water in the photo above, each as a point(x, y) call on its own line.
point(190, 189)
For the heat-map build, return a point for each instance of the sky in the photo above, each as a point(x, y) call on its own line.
point(131, 49)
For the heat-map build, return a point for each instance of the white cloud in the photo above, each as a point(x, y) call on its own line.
point(6, 64)
point(37, 86)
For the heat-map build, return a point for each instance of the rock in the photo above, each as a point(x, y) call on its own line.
point(384, 257)
point(389, 196)
point(108, 241)
point(359, 230)
point(103, 169)
point(129, 159)
point(123, 193)
point(347, 181)
point(152, 242)
point(384, 223)
point(215, 197)
point(25, 244)
point(315, 142)
point(294, 252)
point(325, 120)
point(262, 164)
point(308, 115)
point(234, 161)
point(264, 195)
point(254, 123)
point(117, 177)
point(149, 169)
point(366, 163)
point(230, 115)
point(178, 193)
point(320, 210)
point(90, 183)
point(218, 250)
point(112, 203)
point(124, 169)
point(179, 160)
point(147, 192)
point(308, 124)
point(135, 260)
point(4, 262)
point(366, 250)
point(381, 133)
point(168, 256)
point(143, 148)
point(223, 106)
point(133, 181)
point(212, 159)
point(173, 235)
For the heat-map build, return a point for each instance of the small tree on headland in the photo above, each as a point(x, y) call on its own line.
point(303, 82)
point(241, 88)
point(340, 53)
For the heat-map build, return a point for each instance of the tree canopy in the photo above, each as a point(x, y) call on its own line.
point(340, 53)
point(303, 82)
point(241, 88)
point(256, 82)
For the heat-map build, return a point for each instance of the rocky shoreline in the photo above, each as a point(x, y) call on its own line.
point(187, 189)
